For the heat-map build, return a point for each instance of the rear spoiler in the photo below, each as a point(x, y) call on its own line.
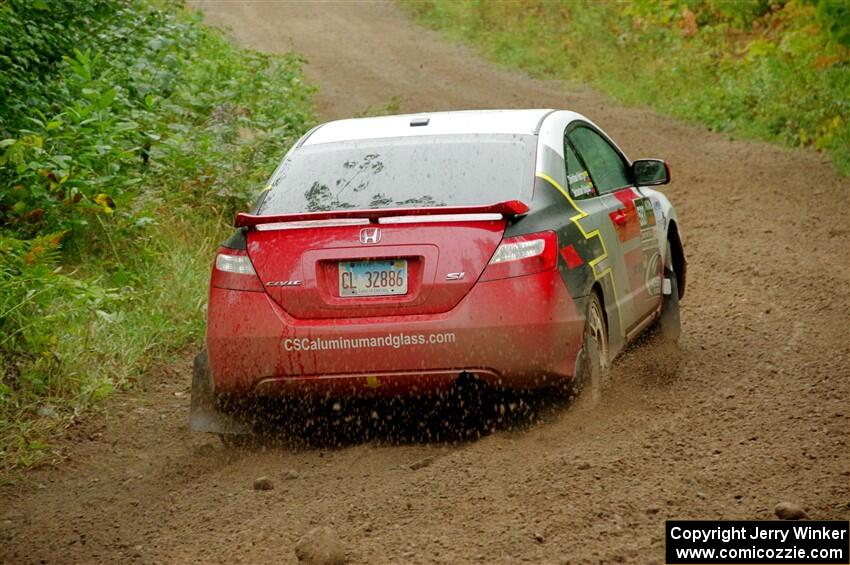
point(508, 208)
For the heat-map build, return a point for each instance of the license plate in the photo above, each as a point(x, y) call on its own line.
point(372, 278)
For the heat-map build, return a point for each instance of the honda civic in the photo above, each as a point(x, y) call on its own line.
point(389, 256)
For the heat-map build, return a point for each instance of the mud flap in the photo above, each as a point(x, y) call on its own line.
point(204, 414)
point(669, 323)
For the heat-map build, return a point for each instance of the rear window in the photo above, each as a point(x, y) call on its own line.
point(427, 171)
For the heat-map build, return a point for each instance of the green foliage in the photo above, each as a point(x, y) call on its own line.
point(834, 15)
point(128, 144)
point(773, 69)
point(132, 99)
point(34, 37)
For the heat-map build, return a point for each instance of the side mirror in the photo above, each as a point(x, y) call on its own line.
point(650, 172)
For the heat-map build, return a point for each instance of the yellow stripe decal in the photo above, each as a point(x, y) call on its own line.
point(595, 233)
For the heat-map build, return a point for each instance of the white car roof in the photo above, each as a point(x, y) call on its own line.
point(438, 123)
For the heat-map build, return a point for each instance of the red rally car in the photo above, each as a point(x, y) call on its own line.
point(391, 255)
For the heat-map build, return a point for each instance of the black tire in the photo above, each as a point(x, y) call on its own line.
point(669, 324)
point(594, 352)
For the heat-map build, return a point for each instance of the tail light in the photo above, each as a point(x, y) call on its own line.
point(523, 255)
point(233, 270)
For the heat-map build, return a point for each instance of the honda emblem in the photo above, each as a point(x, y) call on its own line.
point(370, 235)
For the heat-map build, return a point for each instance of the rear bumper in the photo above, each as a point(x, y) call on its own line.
point(519, 332)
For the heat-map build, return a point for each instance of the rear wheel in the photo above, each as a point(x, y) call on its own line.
point(594, 352)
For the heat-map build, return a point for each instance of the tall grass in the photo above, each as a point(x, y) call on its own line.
point(777, 70)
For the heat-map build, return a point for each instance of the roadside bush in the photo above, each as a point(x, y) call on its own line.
point(773, 69)
point(128, 142)
point(34, 37)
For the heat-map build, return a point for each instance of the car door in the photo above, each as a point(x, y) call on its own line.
point(632, 244)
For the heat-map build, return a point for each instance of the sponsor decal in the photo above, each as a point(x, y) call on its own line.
point(392, 340)
point(659, 210)
point(580, 183)
point(645, 213)
point(641, 212)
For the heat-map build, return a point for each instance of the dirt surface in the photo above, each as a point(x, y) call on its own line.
point(757, 412)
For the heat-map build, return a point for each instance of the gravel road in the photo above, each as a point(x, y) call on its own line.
point(756, 412)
